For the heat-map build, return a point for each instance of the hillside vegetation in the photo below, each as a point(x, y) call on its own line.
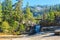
point(14, 19)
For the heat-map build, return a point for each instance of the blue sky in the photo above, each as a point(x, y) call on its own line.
point(39, 2)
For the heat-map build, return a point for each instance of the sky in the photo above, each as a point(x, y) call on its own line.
point(39, 2)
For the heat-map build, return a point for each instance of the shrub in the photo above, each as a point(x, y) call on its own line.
point(22, 27)
point(5, 27)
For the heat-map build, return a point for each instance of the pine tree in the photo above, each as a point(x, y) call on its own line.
point(7, 9)
point(1, 15)
point(18, 16)
point(7, 14)
point(50, 16)
point(18, 11)
point(29, 14)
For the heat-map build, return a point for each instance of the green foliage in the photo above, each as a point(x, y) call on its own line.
point(7, 9)
point(12, 18)
point(22, 27)
point(15, 25)
point(44, 16)
point(5, 27)
point(1, 13)
point(29, 14)
point(50, 16)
